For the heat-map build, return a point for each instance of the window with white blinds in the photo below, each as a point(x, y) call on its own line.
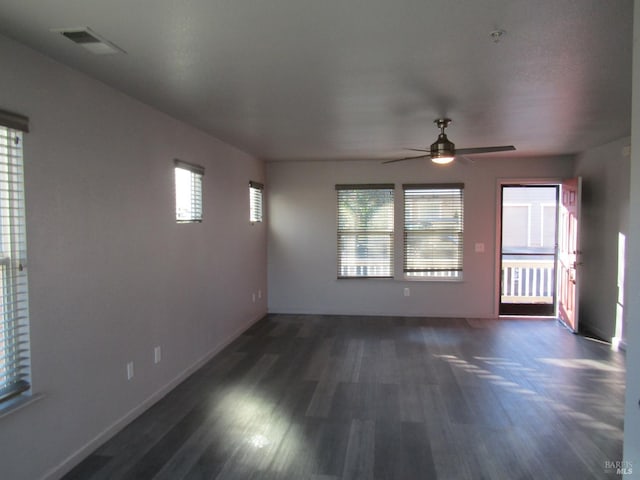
point(188, 179)
point(14, 312)
point(433, 230)
point(255, 202)
point(365, 231)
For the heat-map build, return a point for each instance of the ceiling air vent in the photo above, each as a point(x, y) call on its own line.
point(89, 40)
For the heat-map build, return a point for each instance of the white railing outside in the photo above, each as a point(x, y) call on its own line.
point(363, 270)
point(527, 281)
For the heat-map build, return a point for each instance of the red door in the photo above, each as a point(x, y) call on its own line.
point(568, 252)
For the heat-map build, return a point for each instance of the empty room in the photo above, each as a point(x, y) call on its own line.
point(319, 240)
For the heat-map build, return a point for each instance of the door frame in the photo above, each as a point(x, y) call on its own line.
point(525, 182)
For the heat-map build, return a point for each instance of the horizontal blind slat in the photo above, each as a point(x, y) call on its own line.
point(12, 364)
point(13, 121)
point(13, 388)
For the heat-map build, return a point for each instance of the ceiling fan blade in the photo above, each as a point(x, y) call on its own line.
point(471, 151)
point(417, 150)
point(407, 158)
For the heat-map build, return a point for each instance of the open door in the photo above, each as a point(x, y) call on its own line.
point(528, 242)
point(569, 252)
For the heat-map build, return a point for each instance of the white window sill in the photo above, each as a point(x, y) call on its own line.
point(18, 403)
point(407, 279)
point(433, 279)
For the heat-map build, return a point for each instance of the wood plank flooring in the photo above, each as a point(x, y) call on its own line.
point(345, 398)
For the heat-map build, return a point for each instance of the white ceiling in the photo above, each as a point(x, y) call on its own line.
point(338, 79)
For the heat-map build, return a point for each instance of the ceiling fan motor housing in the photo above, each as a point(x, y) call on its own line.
point(442, 147)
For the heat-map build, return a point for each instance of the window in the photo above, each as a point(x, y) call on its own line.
point(365, 231)
point(518, 218)
point(433, 230)
point(255, 202)
point(188, 192)
point(549, 222)
point(14, 320)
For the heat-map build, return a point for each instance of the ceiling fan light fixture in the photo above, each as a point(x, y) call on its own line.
point(442, 150)
point(442, 160)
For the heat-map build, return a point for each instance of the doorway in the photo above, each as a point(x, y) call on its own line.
point(528, 249)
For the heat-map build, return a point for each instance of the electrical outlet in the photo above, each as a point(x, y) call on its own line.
point(129, 370)
point(157, 354)
point(407, 291)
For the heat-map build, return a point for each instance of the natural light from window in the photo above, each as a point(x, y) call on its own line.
point(618, 336)
point(188, 183)
point(255, 202)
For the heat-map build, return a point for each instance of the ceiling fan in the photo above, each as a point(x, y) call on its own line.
point(443, 151)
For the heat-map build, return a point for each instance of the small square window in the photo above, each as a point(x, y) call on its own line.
point(188, 192)
point(255, 202)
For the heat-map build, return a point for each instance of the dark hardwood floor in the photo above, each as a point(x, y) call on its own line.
point(328, 397)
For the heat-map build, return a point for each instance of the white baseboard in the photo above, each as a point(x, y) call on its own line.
point(75, 458)
point(364, 313)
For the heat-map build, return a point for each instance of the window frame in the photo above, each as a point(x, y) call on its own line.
point(380, 239)
point(434, 268)
point(15, 354)
point(256, 202)
point(194, 212)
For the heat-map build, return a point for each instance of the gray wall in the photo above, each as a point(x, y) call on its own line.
point(604, 215)
point(111, 274)
point(632, 410)
point(302, 237)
